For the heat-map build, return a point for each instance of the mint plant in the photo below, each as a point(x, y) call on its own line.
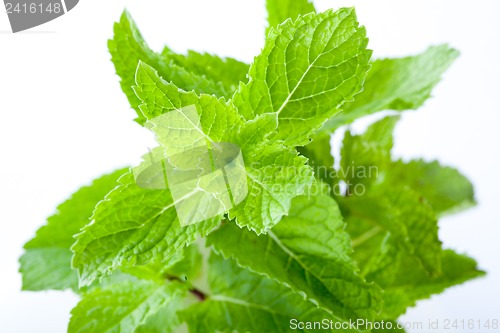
point(313, 241)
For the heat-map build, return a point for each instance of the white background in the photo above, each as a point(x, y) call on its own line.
point(65, 121)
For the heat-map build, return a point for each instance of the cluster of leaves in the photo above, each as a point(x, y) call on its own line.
point(295, 248)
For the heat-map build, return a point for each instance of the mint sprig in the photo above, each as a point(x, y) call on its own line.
point(305, 244)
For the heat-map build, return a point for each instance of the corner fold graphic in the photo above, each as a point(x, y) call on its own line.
point(25, 15)
point(70, 4)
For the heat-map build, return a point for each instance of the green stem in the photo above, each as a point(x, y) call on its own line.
point(366, 236)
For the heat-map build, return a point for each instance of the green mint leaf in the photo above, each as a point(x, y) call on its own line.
point(47, 268)
point(185, 265)
point(319, 157)
point(280, 10)
point(228, 71)
point(275, 173)
point(366, 160)
point(219, 120)
point(444, 188)
point(132, 226)
point(306, 71)
point(247, 302)
point(364, 157)
point(404, 214)
point(398, 84)
point(382, 255)
point(128, 47)
point(386, 203)
point(46, 262)
point(319, 151)
point(124, 307)
point(165, 320)
point(189, 267)
point(244, 160)
point(308, 251)
point(402, 277)
point(411, 284)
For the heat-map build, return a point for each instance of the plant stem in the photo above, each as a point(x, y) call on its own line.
point(366, 236)
point(200, 295)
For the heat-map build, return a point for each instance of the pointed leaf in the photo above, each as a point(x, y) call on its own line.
point(308, 251)
point(444, 188)
point(275, 173)
point(46, 262)
point(128, 47)
point(405, 215)
point(280, 10)
point(398, 84)
point(228, 71)
point(411, 284)
point(306, 71)
point(132, 226)
point(124, 307)
point(247, 302)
